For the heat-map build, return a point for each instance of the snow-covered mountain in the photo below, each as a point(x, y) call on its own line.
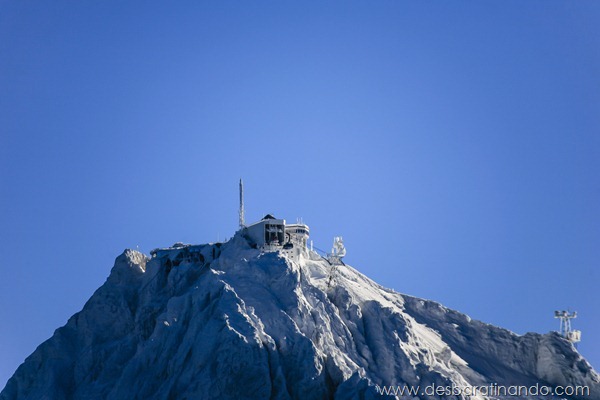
point(227, 321)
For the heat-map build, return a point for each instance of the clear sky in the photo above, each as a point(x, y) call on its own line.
point(454, 145)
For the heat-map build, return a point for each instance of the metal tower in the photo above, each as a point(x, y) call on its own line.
point(242, 223)
point(565, 317)
point(338, 251)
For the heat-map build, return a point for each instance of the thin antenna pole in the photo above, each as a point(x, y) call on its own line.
point(242, 224)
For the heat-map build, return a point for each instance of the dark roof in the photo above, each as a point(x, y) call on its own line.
point(268, 216)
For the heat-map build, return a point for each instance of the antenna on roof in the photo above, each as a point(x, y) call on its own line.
point(242, 223)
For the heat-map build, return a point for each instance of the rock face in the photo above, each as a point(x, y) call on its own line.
point(229, 322)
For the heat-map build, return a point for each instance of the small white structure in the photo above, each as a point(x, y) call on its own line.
point(338, 251)
point(297, 234)
point(573, 336)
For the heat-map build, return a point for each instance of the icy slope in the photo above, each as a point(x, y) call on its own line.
point(227, 322)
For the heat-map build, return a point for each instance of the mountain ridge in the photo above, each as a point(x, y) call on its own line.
point(229, 321)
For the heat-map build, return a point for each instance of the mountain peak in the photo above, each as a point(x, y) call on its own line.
point(232, 320)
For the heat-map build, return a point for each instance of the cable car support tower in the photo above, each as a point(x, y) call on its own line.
point(573, 336)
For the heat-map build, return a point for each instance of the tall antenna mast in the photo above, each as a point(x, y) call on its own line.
point(242, 224)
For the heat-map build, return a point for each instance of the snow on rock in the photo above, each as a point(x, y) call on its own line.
point(225, 321)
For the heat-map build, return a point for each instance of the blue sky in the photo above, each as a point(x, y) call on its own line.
point(455, 147)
